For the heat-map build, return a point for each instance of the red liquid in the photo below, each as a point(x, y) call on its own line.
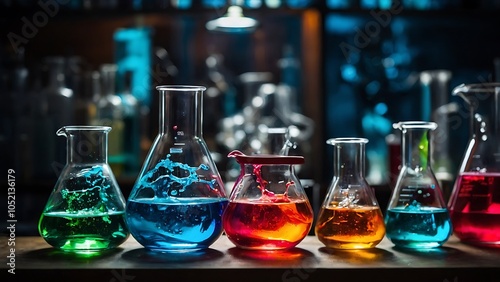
point(475, 208)
point(267, 226)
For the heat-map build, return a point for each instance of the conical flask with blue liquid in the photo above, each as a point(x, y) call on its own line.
point(178, 199)
point(417, 216)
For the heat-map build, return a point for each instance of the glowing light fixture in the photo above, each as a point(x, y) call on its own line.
point(233, 21)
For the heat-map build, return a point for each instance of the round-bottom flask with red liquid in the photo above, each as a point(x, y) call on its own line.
point(268, 208)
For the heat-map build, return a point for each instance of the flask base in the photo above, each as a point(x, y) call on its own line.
point(83, 244)
point(349, 245)
point(494, 245)
point(404, 244)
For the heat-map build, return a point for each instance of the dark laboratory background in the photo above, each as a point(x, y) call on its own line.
point(321, 69)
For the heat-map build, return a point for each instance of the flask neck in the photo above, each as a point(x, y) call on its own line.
point(181, 113)
point(415, 148)
point(484, 106)
point(86, 144)
point(349, 160)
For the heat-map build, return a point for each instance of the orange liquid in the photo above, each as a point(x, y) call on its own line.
point(350, 228)
point(267, 226)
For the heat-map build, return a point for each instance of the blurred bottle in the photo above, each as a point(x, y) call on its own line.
point(24, 124)
point(110, 112)
point(74, 76)
point(496, 63)
point(213, 3)
point(60, 109)
point(132, 130)
point(133, 52)
point(437, 108)
point(181, 4)
point(385, 4)
point(15, 124)
point(297, 4)
point(287, 107)
point(341, 4)
point(92, 89)
point(273, 3)
point(253, 4)
point(369, 4)
point(42, 145)
point(432, 4)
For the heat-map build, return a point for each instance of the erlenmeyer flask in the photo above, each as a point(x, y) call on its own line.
point(268, 207)
point(417, 216)
point(178, 199)
point(350, 217)
point(86, 210)
point(475, 200)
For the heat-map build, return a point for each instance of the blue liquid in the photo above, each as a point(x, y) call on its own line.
point(171, 179)
point(424, 228)
point(176, 224)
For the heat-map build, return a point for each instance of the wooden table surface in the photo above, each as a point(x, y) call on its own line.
point(35, 260)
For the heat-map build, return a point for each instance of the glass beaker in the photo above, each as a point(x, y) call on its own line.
point(350, 217)
point(178, 199)
point(268, 208)
point(475, 200)
point(417, 216)
point(86, 209)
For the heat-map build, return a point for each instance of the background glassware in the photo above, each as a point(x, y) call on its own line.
point(475, 201)
point(132, 130)
point(178, 199)
point(86, 210)
point(436, 107)
point(350, 217)
point(417, 216)
point(110, 111)
point(57, 108)
point(268, 208)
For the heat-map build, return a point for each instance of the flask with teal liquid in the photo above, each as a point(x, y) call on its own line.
point(417, 216)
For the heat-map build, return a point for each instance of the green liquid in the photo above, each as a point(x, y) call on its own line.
point(83, 231)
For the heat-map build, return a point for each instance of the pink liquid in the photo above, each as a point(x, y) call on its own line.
point(475, 208)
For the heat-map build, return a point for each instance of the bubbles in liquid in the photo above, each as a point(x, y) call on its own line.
point(350, 197)
point(93, 198)
point(85, 218)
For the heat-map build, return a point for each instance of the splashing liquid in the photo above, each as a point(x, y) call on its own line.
point(163, 182)
point(82, 220)
point(271, 222)
point(161, 221)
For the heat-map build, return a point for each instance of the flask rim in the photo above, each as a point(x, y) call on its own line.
point(415, 124)
point(338, 140)
point(185, 88)
point(71, 128)
point(266, 159)
point(476, 88)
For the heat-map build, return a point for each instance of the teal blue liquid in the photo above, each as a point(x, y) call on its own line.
point(423, 228)
point(175, 207)
point(176, 224)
